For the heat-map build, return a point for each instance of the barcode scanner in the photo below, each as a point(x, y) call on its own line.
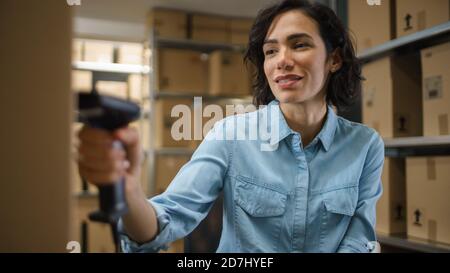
point(108, 113)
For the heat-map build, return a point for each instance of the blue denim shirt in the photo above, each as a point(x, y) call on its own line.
point(279, 196)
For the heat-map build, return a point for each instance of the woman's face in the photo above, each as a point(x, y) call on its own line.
point(295, 64)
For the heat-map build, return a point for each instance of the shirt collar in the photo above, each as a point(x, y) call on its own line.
point(325, 135)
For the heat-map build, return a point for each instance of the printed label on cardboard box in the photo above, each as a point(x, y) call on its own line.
point(433, 87)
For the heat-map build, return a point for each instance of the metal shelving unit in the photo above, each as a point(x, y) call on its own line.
point(415, 244)
point(112, 67)
point(154, 94)
point(182, 95)
point(417, 146)
point(196, 45)
point(416, 41)
point(412, 146)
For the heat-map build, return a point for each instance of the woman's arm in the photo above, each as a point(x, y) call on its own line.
point(186, 201)
point(361, 230)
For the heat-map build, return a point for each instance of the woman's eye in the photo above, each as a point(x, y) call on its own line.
point(269, 52)
point(300, 45)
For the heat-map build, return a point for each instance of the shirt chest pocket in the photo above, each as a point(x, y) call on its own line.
point(258, 214)
point(259, 201)
point(338, 208)
point(342, 201)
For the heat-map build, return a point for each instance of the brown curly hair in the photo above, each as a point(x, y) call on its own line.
point(344, 85)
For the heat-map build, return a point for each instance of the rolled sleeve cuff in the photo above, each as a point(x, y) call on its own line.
point(350, 245)
point(160, 242)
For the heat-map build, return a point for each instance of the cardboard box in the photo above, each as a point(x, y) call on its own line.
point(168, 23)
point(392, 99)
point(77, 50)
point(207, 28)
point(135, 87)
point(166, 168)
point(428, 202)
point(228, 75)
point(81, 81)
point(240, 30)
point(98, 51)
point(37, 107)
point(417, 15)
point(130, 53)
point(182, 71)
point(110, 88)
point(391, 207)
point(436, 90)
point(371, 25)
point(164, 122)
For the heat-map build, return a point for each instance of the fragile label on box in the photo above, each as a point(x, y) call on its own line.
point(433, 87)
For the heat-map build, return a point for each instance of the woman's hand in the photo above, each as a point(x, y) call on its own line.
point(106, 157)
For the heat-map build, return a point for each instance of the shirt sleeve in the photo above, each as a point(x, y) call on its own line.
point(190, 195)
point(361, 236)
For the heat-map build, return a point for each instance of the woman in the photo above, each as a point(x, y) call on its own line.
point(311, 186)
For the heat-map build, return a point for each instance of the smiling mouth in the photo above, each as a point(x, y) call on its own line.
point(288, 79)
point(288, 82)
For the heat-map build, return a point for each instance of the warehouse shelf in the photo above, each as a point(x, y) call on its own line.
point(417, 146)
point(415, 244)
point(112, 67)
point(185, 95)
point(197, 45)
point(417, 141)
point(422, 39)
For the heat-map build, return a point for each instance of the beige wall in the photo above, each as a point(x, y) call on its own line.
point(35, 114)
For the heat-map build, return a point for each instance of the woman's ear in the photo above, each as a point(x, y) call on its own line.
point(335, 60)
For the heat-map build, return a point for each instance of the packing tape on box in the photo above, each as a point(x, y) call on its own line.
point(431, 168)
point(421, 20)
point(443, 124)
point(432, 230)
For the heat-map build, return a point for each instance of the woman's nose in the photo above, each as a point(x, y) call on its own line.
point(285, 61)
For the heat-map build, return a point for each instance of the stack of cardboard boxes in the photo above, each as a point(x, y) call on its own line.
point(417, 15)
point(180, 25)
point(182, 71)
point(403, 96)
point(190, 73)
point(428, 178)
point(371, 25)
point(428, 205)
point(193, 72)
point(107, 52)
